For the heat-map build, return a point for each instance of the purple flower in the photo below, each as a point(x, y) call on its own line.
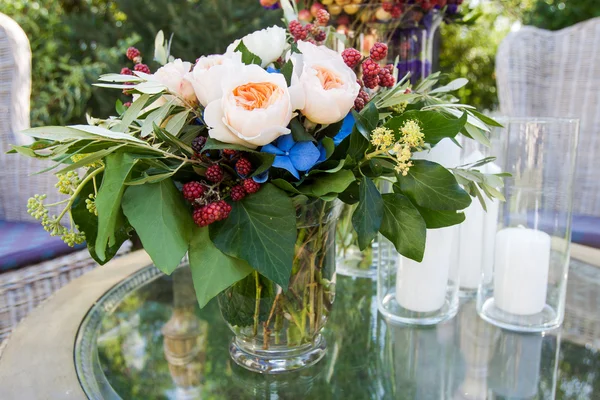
point(293, 156)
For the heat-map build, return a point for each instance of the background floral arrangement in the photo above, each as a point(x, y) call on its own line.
point(215, 158)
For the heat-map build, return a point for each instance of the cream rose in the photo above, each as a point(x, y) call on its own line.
point(329, 85)
point(173, 75)
point(255, 108)
point(269, 44)
point(207, 75)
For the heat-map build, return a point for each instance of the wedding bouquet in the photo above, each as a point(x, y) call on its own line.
point(239, 159)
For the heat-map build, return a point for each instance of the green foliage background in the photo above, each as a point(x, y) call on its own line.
point(73, 41)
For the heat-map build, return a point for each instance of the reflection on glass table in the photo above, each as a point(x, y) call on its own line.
point(147, 339)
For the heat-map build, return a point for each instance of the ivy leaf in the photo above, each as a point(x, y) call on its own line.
point(335, 182)
point(108, 201)
point(369, 213)
point(299, 133)
point(88, 223)
point(287, 71)
point(435, 219)
point(248, 57)
point(162, 220)
point(213, 144)
point(358, 145)
point(366, 120)
point(212, 271)
point(430, 185)
point(434, 125)
point(261, 229)
point(403, 226)
point(238, 304)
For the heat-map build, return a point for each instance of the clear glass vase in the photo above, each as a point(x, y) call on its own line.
point(351, 261)
point(278, 331)
point(524, 288)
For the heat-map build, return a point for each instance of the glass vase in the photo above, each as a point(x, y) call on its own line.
point(351, 261)
point(278, 331)
point(525, 287)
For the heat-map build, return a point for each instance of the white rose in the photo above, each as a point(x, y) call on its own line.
point(255, 109)
point(207, 75)
point(172, 76)
point(329, 85)
point(269, 44)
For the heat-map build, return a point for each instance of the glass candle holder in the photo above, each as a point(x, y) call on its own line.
point(424, 293)
point(525, 287)
point(480, 224)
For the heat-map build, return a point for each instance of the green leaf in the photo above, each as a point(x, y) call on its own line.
point(335, 182)
point(89, 159)
point(477, 134)
point(329, 131)
point(261, 229)
point(119, 108)
point(434, 125)
point(248, 57)
point(368, 215)
point(329, 146)
point(264, 162)
point(176, 123)
point(156, 116)
point(403, 226)
point(172, 140)
point(212, 271)
point(485, 119)
point(439, 218)
point(213, 144)
point(287, 71)
point(132, 113)
point(430, 185)
point(366, 120)
point(88, 223)
point(162, 220)
point(64, 133)
point(108, 201)
point(358, 145)
point(285, 185)
point(299, 133)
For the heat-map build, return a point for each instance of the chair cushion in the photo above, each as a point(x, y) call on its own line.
point(25, 243)
point(586, 230)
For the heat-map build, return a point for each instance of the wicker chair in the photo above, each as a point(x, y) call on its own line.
point(23, 289)
point(557, 74)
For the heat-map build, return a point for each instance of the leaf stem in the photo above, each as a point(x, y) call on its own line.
point(78, 190)
point(256, 303)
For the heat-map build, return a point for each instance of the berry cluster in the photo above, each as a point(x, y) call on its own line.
point(313, 33)
point(134, 55)
point(373, 74)
point(225, 175)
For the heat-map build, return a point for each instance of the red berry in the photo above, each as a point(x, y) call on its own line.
point(126, 71)
point(243, 166)
point(298, 31)
point(389, 67)
point(364, 95)
point(370, 68)
point(387, 5)
point(250, 186)
point(379, 51)
point(322, 17)
point(386, 79)
point(359, 104)
point(396, 12)
point(142, 68)
point(198, 144)
point(238, 193)
point(214, 173)
point(127, 104)
point(407, 91)
point(212, 212)
point(371, 81)
point(229, 152)
point(360, 82)
point(320, 36)
point(351, 57)
point(193, 191)
point(132, 53)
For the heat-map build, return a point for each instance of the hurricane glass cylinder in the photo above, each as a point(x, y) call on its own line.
point(276, 330)
point(525, 287)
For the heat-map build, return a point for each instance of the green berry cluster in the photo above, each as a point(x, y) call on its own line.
point(67, 183)
point(90, 204)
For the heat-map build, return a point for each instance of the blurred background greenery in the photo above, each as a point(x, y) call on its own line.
point(74, 41)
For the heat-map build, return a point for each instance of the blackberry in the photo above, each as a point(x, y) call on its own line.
point(379, 51)
point(351, 57)
point(370, 68)
point(238, 193)
point(250, 186)
point(193, 190)
point(243, 166)
point(198, 144)
point(214, 173)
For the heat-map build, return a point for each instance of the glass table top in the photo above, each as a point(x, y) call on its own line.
point(146, 340)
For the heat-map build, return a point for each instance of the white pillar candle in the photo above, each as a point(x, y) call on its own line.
point(446, 153)
point(422, 287)
point(521, 264)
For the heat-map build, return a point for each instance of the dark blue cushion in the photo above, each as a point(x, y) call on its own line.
point(25, 243)
point(585, 229)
